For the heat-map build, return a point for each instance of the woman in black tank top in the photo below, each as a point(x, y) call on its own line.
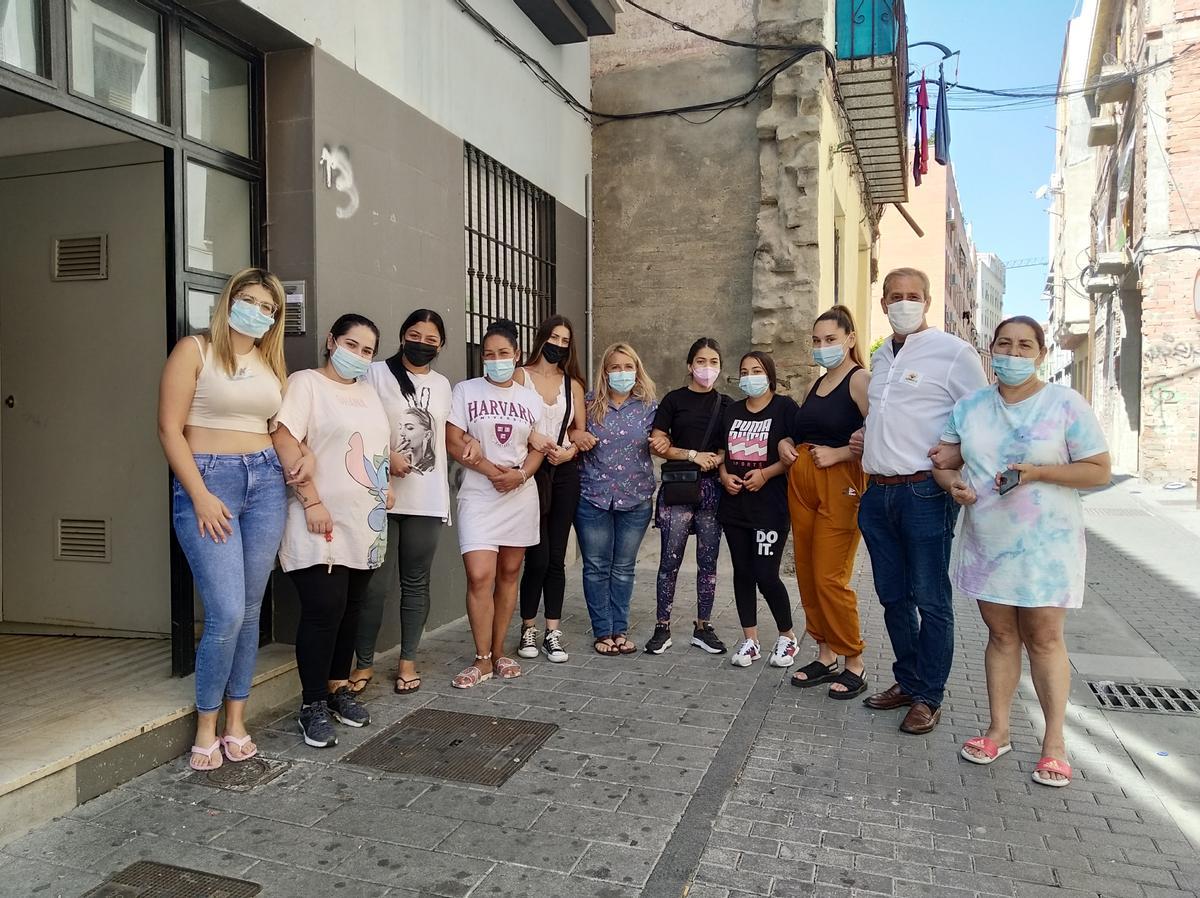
point(825, 483)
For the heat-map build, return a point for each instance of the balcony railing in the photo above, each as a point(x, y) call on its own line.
point(872, 54)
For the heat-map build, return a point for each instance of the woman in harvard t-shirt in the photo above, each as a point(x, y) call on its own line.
point(498, 512)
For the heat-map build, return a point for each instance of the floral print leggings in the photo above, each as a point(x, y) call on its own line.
point(676, 523)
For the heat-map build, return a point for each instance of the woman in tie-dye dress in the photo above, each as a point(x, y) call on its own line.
point(1021, 554)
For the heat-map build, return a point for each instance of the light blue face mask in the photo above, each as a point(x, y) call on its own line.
point(829, 356)
point(499, 371)
point(1012, 370)
point(246, 318)
point(754, 384)
point(348, 364)
point(621, 381)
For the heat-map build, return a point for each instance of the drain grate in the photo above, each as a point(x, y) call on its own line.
point(467, 748)
point(149, 879)
point(240, 777)
point(1155, 699)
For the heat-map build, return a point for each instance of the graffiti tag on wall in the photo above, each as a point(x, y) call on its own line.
point(339, 175)
point(1173, 351)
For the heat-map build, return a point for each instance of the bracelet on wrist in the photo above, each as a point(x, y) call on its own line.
point(311, 504)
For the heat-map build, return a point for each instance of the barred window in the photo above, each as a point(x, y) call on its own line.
point(510, 252)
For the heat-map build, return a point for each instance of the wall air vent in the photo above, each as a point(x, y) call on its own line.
point(82, 258)
point(82, 539)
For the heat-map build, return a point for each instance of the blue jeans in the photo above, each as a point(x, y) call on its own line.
point(908, 529)
point(609, 539)
point(232, 576)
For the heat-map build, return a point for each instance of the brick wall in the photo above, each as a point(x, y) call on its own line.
point(1170, 325)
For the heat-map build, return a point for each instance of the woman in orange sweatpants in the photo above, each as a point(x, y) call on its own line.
point(825, 483)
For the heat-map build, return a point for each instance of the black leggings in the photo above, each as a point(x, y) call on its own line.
point(330, 602)
point(756, 555)
point(545, 568)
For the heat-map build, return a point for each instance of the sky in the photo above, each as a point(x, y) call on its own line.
point(1000, 157)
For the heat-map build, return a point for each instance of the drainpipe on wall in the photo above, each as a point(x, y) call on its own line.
point(589, 324)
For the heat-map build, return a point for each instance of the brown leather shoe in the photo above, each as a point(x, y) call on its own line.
point(920, 719)
point(892, 697)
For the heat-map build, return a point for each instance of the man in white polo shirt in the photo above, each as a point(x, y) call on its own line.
point(907, 520)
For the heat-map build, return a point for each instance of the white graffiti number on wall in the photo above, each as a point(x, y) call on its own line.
point(340, 176)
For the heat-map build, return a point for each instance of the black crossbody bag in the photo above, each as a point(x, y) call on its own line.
point(681, 479)
point(544, 475)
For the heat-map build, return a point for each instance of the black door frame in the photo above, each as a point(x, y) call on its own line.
point(52, 86)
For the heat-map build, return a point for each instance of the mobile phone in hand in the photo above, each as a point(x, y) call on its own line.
point(1008, 481)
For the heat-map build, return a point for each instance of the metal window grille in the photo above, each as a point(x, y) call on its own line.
point(510, 252)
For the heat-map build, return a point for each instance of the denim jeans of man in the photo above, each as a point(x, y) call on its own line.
point(609, 540)
point(909, 529)
point(232, 575)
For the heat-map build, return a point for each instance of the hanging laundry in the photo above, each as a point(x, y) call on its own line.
point(941, 122)
point(921, 145)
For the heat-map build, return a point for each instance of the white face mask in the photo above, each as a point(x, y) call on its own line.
point(906, 316)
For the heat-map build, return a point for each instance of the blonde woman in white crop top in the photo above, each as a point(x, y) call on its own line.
point(218, 393)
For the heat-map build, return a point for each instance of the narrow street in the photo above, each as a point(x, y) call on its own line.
point(664, 768)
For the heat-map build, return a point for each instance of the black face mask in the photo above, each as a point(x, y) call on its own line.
point(419, 354)
point(555, 354)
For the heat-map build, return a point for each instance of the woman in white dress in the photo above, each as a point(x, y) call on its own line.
point(498, 513)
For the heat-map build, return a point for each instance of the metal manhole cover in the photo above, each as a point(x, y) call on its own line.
point(240, 777)
point(150, 879)
point(467, 748)
point(1154, 699)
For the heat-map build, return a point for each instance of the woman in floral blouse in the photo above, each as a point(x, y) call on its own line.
point(616, 487)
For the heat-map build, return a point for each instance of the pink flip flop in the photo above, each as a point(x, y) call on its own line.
point(239, 744)
point(989, 748)
point(208, 753)
point(1052, 765)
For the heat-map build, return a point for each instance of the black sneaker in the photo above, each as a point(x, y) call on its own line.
point(660, 641)
point(315, 725)
point(706, 638)
point(346, 708)
point(553, 647)
point(529, 643)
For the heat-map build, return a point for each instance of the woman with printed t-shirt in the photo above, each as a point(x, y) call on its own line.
point(754, 511)
point(825, 484)
point(417, 401)
point(217, 394)
point(498, 513)
point(616, 486)
point(553, 371)
point(336, 532)
point(686, 433)
point(1028, 448)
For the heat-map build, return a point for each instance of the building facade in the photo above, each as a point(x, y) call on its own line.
point(744, 225)
point(943, 250)
point(378, 157)
point(989, 299)
point(1130, 158)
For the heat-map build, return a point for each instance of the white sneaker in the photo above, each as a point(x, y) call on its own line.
point(529, 643)
point(785, 652)
point(552, 646)
point(747, 654)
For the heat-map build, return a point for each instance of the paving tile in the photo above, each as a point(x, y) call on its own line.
point(462, 803)
point(288, 882)
point(30, 878)
point(287, 843)
point(604, 826)
point(617, 863)
point(429, 872)
point(518, 882)
point(403, 826)
point(69, 843)
point(146, 815)
point(528, 847)
point(151, 847)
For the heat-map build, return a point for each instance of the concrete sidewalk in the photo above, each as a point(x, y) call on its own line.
point(680, 766)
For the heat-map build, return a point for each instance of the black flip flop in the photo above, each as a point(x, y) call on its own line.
point(816, 673)
point(855, 685)
point(396, 686)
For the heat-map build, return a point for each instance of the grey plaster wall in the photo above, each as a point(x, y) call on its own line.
point(571, 276)
point(675, 208)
